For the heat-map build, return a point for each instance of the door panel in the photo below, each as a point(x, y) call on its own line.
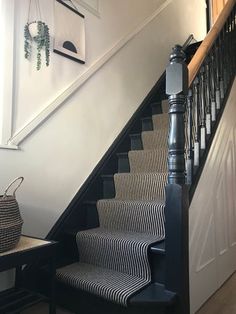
point(212, 226)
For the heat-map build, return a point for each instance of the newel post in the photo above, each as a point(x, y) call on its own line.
point(177, 205)
point(177, 91)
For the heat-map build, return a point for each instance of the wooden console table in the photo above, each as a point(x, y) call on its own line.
point(28, 251)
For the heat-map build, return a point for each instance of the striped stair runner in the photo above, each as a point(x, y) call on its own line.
point(114, 257)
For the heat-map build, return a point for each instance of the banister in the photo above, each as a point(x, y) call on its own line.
point(197, 96)
point(209, 40)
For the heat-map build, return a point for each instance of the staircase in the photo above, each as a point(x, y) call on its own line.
point(113, 258)
point(124, 237)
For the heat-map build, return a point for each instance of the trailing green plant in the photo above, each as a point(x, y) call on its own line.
point(42, 40)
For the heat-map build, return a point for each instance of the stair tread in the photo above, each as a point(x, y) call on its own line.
point(149, 174)
point(122, 154)
point(135, 134)
point(134, 202)
point(158, 248)
point(100, 281)
point(107, 176)
point(135, 237)
point(154, 294)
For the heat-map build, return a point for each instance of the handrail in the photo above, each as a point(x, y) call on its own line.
point(207, 43)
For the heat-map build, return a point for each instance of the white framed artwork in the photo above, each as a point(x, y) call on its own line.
point(90, 5)
point(69, 37)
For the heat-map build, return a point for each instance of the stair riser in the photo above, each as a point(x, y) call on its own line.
point(147, 187)
point(156, 107)
point(92, 216)
point(108, 187)
point(136, 142)
point(113, 253)
point(123, 163)
point(147, 124)
point(160, 121)
point(154, 140)
point(158, 267)
point(148, 161)
point(165, 106)
point(149, 217)
point(78, 301)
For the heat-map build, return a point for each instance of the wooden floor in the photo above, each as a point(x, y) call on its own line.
point(223, 301)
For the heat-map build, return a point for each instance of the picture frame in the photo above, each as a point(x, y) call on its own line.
point(69, 38)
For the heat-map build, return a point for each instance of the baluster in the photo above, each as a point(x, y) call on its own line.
point(231, 46)
point(217, 77)
point(232, 39)
point(177, 90)
point(212, 87)
point(221, 65)
point(202, 110)
point(224, 59)
point(227, 67)
point(207, 96)
point(189, 163)
point(196, 102)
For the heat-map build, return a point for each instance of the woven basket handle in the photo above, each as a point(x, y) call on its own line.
point(17, 187)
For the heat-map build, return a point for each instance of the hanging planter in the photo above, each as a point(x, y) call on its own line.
point(36, 33)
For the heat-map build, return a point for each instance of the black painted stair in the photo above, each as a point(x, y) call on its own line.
point(137, 135)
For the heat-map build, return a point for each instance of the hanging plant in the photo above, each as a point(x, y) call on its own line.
point(37, 32)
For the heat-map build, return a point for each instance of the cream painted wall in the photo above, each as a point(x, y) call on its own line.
point(98, 41)
point(58, 157)
point(213, 213)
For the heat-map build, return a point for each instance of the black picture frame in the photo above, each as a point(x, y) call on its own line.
point(63, 46)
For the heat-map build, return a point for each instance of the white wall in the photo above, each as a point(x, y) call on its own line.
point(213, 213)
point(101, 34)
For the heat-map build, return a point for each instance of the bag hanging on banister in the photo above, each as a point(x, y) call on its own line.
point(10, 218)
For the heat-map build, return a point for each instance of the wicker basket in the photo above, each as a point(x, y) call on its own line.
point(10, 219)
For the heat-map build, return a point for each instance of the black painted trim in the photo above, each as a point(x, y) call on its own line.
point(70, 8)
point(78, 198)
point(68, 56)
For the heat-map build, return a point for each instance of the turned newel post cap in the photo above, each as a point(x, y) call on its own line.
point(177, 73)
point(177, 54)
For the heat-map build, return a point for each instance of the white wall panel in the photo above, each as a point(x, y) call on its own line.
point(213, 213)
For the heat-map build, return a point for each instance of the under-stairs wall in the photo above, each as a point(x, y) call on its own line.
point(213, 213)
